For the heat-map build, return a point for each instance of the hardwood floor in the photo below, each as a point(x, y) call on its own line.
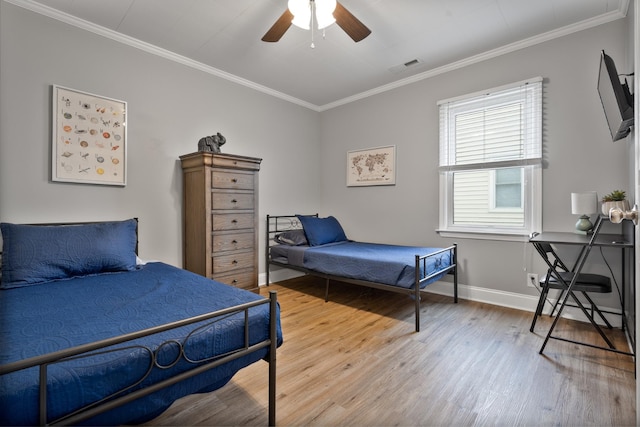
point(356, 360)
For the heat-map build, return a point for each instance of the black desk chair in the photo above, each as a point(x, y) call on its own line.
point(559, 277)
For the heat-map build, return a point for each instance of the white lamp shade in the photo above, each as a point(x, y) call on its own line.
point(585, 203)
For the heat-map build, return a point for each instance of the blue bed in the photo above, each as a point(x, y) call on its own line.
point(319, 246)
point(134, 326)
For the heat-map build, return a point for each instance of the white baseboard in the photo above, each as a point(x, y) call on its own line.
point(278, 275)
point(485, 295)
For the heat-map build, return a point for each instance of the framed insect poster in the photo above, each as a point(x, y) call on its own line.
point(89, 138)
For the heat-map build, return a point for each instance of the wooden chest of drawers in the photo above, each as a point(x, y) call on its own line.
point(221, 217)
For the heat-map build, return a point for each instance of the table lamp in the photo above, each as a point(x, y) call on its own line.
point(584, 204)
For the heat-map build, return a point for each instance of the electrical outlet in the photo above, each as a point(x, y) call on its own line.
point(532, 280)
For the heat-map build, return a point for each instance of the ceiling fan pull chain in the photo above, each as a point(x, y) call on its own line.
point(312, 6)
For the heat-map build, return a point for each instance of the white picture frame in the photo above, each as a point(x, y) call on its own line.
point(89, 138)
point(371, 166)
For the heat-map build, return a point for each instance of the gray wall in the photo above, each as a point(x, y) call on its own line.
point(578, 153)
point(171, 106)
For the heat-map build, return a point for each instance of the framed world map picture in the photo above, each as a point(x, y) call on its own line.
point(372, 166)
point(89, 138)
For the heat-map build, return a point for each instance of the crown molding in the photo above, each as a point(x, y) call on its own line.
point(33, 6)
point(152, 49)
point(620, 13)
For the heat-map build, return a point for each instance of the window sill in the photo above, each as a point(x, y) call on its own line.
point(483, 235)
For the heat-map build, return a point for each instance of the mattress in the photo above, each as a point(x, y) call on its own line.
point(387, 264)
point(44, 318)
point(286, 254)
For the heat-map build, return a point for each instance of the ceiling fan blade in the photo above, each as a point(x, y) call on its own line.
point(279, 28)
point(350, 24)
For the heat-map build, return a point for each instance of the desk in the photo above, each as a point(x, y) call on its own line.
point(587, 242)
point(607, 240)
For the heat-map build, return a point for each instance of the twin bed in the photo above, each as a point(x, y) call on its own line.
point(319, 246)
point(91, 335)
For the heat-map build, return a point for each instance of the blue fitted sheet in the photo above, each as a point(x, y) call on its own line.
point(387, 264)
point(53, 316)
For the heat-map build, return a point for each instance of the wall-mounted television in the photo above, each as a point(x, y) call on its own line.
point(616, 98)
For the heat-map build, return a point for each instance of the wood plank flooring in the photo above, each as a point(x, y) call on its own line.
point(356, 361)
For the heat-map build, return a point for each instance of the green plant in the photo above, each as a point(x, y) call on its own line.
point(615, 196)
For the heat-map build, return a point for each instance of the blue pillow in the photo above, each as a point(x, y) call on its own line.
point(320, 231)
point(34, 254)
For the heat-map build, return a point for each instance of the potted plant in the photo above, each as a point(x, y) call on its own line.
point(615, 199)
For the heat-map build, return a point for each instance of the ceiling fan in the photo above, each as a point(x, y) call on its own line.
point(300, 12)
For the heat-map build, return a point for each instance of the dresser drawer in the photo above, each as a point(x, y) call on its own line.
point(241, 279)
point(233, 242)
point(222, 200)
point(234, 261)
point(232, 221)
point(235, 162)
point(232, 180)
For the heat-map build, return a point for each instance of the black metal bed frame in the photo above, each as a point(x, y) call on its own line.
point(121, 397)
point(118, 398)
point(280, 223)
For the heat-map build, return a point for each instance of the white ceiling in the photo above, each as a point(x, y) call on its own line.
point(223, 37)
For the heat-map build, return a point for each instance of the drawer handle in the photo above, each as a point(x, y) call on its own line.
point(234, 241)
point(234, 281)
point(234, 180)
point(234, 201)
point(234, 261)
point(234, 221)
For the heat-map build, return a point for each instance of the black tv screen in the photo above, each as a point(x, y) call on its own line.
point(616, 99)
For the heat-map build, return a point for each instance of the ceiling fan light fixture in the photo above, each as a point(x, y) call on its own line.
point(312, 14)
point(301, 11)
point(324, 12)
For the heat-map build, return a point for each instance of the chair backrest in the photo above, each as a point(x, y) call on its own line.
point(550, 256)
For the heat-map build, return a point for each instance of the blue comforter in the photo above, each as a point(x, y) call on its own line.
point(373, 262)
point(39, 319)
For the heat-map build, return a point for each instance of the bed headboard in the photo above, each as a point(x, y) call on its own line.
point(277, 224)
point(280, 223)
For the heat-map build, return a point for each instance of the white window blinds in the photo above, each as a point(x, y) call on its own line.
point(498, 128)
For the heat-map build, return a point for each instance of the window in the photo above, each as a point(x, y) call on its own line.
point(490, 161)
point(506, 189)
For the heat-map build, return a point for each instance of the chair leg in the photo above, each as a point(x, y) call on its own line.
point(555, 306)
point(594, 308)
point(597, 310)
point(539, 308)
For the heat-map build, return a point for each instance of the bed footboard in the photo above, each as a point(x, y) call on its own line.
point(421, 276)
point(125, 395)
